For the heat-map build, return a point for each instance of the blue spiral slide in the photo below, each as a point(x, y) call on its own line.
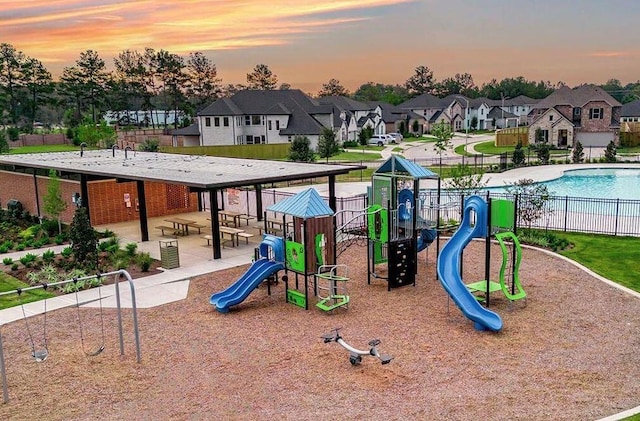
point(449, 266)
point(259, 270)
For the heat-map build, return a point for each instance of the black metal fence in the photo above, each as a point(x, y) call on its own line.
point(559, 213)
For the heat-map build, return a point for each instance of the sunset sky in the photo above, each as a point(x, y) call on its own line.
point(307, 42)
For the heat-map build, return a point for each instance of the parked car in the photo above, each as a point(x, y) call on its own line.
point(397, 137)
point(379, 139)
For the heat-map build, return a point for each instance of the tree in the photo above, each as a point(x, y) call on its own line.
point(577, 156)
point(327, 144)
point(460, 84)
point(54, 204)
point(84, 242)
point(421, 82)
point(443, 134)
point(173, 79)
point(518, 157)
point(11, 62)
point(365, 134)
point(301, 150)
point(392, 94)
point(611, 152)
point(262, 78)
point(4, 145)
point(204, 84)
point(465, 179)
point(544, 152)
point(96, 135)
point(93, 77)
point(38, 83)
point(474, 123)
point(532, 198)
point(333, 88)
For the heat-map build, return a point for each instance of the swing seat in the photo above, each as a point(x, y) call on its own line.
point(40, 355)
point(96, 352)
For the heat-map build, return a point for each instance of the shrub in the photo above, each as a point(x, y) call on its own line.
point(66, 252)
point(21, 247)
point(59, 239)
point(47, 275)
point(28, 258)
point(14, 267)
point(144, 261)
point(131, 248)
point(4, 249)
point(7, 261)
point(48, 256)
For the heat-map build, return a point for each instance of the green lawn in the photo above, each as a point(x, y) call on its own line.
point(488, 148)
point(44, 148)
point(8, 283)
point(615, 258)
point(355, 156)
point(629, 150)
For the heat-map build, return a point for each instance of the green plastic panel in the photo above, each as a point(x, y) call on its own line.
point(502, 214)
point(296, 298)
point(378, 222)
point(295, 258)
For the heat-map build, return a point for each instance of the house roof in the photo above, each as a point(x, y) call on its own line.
point(424, 101)
point(306, 204)
point(577, 97)
point(631, 109)
point(497, 112)
point(344, 103)
point(300, 108)
point(198, 171)
point(398, 165)
point(192, 130)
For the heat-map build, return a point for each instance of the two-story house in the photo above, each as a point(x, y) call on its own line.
point(585, 113)
point(262, 117)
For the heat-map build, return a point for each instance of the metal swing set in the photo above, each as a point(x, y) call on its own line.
point(41, 354)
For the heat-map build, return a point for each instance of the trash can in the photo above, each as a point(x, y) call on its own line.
point(14, 204)
point(169, 254)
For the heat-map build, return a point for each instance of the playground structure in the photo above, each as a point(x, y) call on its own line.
point(41, 354)
point(355, 355)
point(476, 223)
point(399, 222)
point(307, 248)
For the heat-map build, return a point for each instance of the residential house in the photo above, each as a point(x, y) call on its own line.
point(186, 136)
point(263, 117)
point(586, 114)
point(430, 108)
point(395, 118)
point(630, 112)
point(349, 116)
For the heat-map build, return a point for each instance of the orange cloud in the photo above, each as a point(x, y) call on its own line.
point(609, 54)
point(60, 30)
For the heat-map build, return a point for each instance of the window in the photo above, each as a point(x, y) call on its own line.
point(216, 121)
point(545, 135)
point(277, 124)
point(269, 124)
point(551, 117)
point(238, 121)
point(596, 113)
point(239, 140)
point(577, 111)
point(225, 121)
point(256, 120)
point(247, 120)
point(207, 121)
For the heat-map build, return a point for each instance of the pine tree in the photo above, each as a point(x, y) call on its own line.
point(301, 150)
point(611, 152)
point(84, 241)
point(578, 153)
point(327, 144)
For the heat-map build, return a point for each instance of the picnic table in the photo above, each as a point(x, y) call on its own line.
point(180, 225)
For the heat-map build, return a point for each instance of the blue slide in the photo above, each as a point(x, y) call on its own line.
point(260, 270)
point(449, 266)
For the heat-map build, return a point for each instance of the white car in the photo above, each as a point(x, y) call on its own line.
point(379, 140)
point(397, 137)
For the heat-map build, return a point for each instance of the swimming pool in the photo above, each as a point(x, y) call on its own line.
point(603, 183)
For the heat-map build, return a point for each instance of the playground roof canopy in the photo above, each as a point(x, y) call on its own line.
point(306, 204)
point(398, 165)
point(196, 171)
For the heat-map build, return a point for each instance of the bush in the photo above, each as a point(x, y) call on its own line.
point(144, 261)
point(14, 267)
point(131, 248)
point(7, 261)
point(48, 256)
point(21, 247)
point(66, 252)
point(28, 258)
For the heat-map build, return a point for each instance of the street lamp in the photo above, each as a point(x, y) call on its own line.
point(466, 118)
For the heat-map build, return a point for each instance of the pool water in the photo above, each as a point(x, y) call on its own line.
point(605, 183)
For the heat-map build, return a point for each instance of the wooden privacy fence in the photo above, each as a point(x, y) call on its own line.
point(511, 136)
